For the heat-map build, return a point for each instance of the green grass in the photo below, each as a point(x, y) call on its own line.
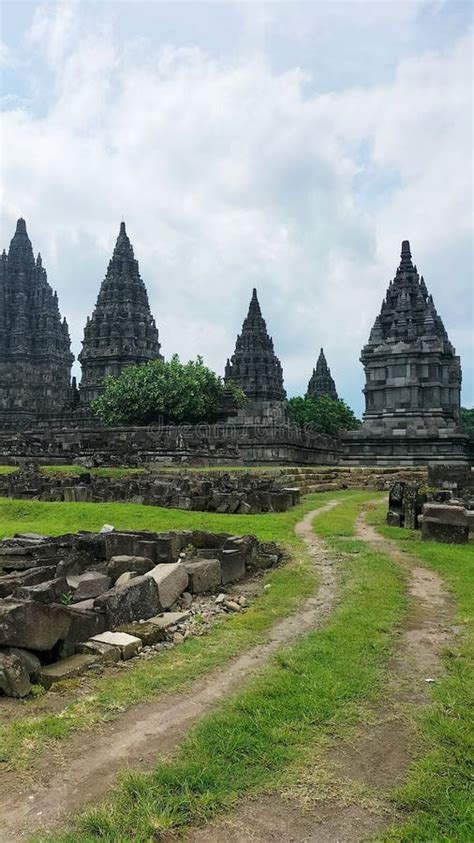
point(107, 696)
point(309, 690)
point(438, 794)
point(8, 469)
point(100, 472)
point(56, 518)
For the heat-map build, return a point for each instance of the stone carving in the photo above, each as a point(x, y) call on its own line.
point(121, 331)
point(321, 382)
point(35, 348)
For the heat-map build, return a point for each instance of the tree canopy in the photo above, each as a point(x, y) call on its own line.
point(467, 419)
point(322, 414)
point(170, 392)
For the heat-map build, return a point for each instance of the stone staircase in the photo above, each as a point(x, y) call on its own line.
point(325, 479)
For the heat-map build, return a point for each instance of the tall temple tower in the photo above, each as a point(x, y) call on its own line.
point(321, 381)
point(254, 366)
point(412, 379)
point(121, 331)
point(35, 348)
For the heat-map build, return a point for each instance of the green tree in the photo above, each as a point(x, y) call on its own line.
point(322, 414)
point(167, 391)
point(467, 419)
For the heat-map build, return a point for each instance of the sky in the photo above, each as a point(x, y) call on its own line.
point(286, 146)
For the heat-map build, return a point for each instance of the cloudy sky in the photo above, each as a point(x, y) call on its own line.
point(288, 146)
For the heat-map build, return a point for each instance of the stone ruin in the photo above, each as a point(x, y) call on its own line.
point(443, 508)
point(71, 602)
point(241, 493)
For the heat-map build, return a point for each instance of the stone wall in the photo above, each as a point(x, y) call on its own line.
point(229, 443)
point(399, 447)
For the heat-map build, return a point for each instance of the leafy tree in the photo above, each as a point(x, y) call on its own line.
point(467, 419)
point(322, 414)
point(167, 391)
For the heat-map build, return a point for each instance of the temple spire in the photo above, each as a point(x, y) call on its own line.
point(254, 365)
point(321, 382)
point(122, 331)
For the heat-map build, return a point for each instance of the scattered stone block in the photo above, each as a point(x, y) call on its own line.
point(29, 660)
point(148, 632)
point(137, 599)
point(67, 668)
point(394, 519)
point(167, 619)
point(205, 540)
point(50, 591)
point(83, 624)
point(14, 677)
point(89, 584)
point(232, 566)
point(32, 625)
point(103, 652)
point(171, 580)
point(204, 575)
point(443, 523)
point(119, 565)
point(128, 645)
point(10, 582)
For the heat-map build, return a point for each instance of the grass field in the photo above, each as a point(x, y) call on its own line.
point(57, 518)
point(438, 795)
point(276, 720)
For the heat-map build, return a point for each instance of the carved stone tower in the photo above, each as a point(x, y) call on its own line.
point(254, 365)
point(413, 376)
point(121, 331)
point(412, 379)
point(321, 382)
point(35, 349)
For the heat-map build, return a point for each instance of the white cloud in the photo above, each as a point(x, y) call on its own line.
point(232, 175)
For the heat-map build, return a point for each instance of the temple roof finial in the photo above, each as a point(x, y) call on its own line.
point(20, 226)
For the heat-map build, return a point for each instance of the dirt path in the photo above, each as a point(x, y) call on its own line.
point(89, 763)
point(346, 800)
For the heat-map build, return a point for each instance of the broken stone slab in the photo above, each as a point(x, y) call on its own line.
point(106, 653)
point(446, 514)
point(128, 645)
point(14, 678)
point(67, 668)
point(51, 591)
point(89, 584)
point(119, 565)
point(394, 519)
point(171, 580)
point(73, 564)
point(10, 582)
point(232, 566)
point(122, 604)
point(167, 619)
point(148, 632)
point(32, 625)
point(204, 575)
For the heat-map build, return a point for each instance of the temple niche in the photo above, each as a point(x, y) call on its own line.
point(321, 381)
point(35, 348)
point(122, 331)
point(412, 379)
point(254, 366)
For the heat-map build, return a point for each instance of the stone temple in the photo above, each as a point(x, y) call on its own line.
point(321, 381)
point(412, 379)
point(121, 331)
point(254, 366)
point(35, 349)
